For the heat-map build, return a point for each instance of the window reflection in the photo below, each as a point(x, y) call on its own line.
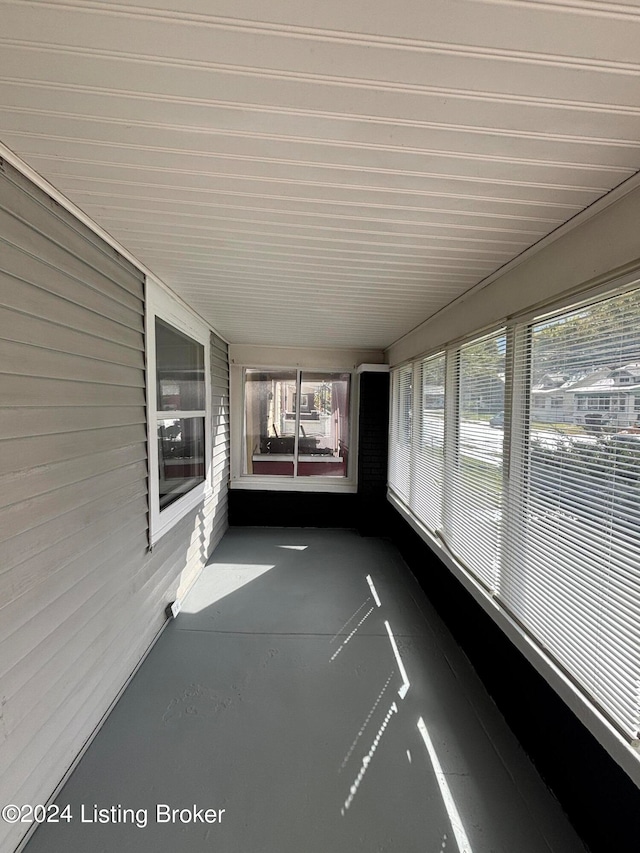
point(279, 403)
point(270, 400)
point(179, 370)
point(180, 457)
point(180, 383)
point(323, 443)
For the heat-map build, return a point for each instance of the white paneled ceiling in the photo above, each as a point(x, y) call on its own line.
point(323, 174)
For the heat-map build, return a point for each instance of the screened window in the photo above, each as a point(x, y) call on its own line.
point(297, 423)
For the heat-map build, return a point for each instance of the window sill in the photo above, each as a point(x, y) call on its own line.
point(175, 512)
point(283, 457)
point(289, 484)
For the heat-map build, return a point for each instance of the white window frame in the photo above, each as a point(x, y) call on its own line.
point(285, 483)
point(516, 428)
point(159, 303)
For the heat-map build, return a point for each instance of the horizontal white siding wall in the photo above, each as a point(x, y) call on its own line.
point(81, 596)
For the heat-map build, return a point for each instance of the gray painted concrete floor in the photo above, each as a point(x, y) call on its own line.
point(276, 696)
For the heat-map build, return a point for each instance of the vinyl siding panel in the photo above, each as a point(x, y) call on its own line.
point(15, 422)
point(71, 246)
point(44, 479)
point(81, 594)
point(36, 360)
point(21, 295)
point(61, 276)
point(50, 564)
point(18, 518)
point(24, 546)
point(30, 452)
point(116, 640)
point(23, 329)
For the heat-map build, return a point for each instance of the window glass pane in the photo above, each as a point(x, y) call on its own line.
point(474, 521)
point(573, 578)
point(427, 470)
point(270, 419)
point(400, 430)
point(179, 371)
point(323, 442)
point(180, 457)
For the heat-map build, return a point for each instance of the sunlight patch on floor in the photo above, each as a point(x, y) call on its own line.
point(225, 578)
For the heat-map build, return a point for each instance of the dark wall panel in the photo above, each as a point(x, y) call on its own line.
point(373, 453)
point(291, 509)
point(600, 799)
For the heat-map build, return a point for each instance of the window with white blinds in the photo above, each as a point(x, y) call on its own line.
point(473, 513)
point(400, 427)
point(427, 464)
point(541, 502)
point(572, 574)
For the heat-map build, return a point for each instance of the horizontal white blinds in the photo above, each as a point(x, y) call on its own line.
point(572, 575)
point(557, 540)
point(400, 427)
point(474, 490)
point(427, 464)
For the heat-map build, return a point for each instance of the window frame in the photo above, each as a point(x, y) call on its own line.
point(601, 702)
point(518, 415)
point(274, 482)
point(460, 507)
point(159, 303)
